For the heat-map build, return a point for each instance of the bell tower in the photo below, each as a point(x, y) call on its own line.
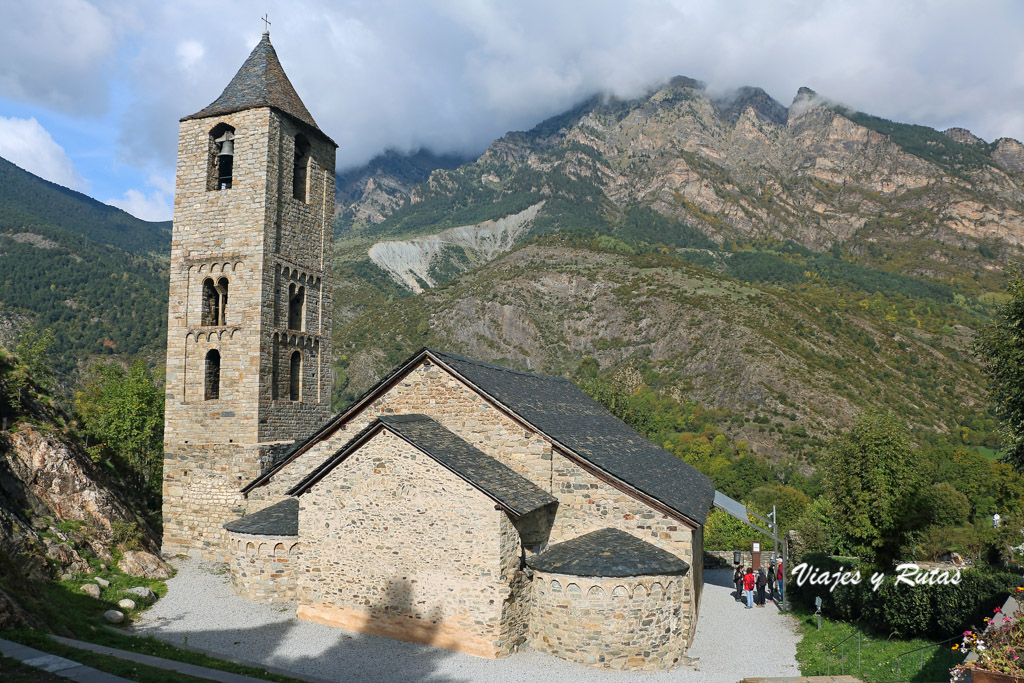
point(248, 334)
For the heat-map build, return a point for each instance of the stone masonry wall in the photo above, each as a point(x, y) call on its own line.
point(585, 502)
point(262, 567)
point(258, 237)
point(620, 623)
point(396, 545)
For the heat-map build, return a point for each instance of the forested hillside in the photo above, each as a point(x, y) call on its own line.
point(93, 274)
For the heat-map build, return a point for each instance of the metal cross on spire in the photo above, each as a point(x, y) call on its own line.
point(266, 24)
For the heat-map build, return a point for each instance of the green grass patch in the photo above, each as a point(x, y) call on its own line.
point(820, 653)
point(989, 453)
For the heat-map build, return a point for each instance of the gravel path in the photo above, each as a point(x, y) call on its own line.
point(201, 611)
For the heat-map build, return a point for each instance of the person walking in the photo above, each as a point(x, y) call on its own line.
point(748, 587)
point(762, 582)
point(771, 580)
point(737, 580)
point(781, 578)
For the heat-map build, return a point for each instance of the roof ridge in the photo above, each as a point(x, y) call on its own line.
point(491, 366)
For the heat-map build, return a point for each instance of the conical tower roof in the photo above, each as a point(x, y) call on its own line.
point(261, 82)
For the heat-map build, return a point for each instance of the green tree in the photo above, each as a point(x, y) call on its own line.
point(947, 506)
point(869, 476)
point(1002, 348)
point(124, 412)
point(789, 503)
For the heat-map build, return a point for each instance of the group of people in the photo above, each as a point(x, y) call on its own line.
point(757, 588)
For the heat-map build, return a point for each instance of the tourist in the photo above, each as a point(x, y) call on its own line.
point(748, 587)
point(771, 580)
point(762, 582)
point(782, 582)
point(737, 579)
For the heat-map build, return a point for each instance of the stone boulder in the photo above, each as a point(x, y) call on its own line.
point(103, 583)
point(113, 616)
point(126, 604)
point(144, 592)
point(145, 564)
point(91, 589)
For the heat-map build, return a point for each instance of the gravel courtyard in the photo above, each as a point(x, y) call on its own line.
point(200, 611)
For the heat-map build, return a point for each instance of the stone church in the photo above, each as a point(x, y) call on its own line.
point(456, 503)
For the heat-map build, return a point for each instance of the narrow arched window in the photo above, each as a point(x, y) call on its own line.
point(211, 389)
point(296, 307)
point(222, 158)
point(211, 303)
point(222, 291)
point(295, 377)
point(300, 169)
point(275, 375)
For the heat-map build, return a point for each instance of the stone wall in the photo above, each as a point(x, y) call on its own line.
point(259, 238)
point(262, 567)
point(396, 545)
point(586, 503)
point(613, 623)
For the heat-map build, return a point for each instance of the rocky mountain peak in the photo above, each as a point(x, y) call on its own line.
point(963, 136)
point(764, 105)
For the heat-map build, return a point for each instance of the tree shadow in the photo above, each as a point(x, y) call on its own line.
point(295, 647)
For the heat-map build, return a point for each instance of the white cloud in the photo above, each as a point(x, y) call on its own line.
point(26, 143)
point(453, 75)
point(154, 205)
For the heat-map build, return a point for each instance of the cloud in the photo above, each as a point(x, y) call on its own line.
point(26, 143)
point(452, 75)
point(154, 205)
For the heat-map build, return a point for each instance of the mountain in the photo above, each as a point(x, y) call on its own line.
point(92, 273)
point(782, 267)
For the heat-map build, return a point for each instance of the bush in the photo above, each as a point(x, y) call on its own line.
point(934, 611)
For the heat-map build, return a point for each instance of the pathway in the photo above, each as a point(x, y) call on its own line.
point(201, 612)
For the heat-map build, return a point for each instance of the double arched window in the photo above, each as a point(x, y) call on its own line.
point(215, 302)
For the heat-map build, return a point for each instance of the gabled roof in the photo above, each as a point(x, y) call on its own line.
point(575, 423)
point(261, 82)
point(280, 519)
point(513, 492)
point(607, 552)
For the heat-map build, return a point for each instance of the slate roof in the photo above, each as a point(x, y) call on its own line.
point(513, 492)
point(261, 82)
point(607, 552)
point(280, 519)
point(559, 410)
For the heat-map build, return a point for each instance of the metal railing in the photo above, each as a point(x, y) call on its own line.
point(920, 650)
point(842, 653)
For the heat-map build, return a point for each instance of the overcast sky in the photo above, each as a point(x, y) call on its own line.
point(91, 90)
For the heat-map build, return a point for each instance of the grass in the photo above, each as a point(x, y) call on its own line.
point(989, 453)
point(67, 611)
point(819, 654)
point(13, 671)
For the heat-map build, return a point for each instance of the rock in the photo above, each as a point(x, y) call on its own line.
point(91, 589)
point(144, 564)
point(126, 604)
point(102, 582)
point(144, 592)
point(113, 616)
point(11, 613)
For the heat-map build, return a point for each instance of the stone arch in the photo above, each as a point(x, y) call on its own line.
point(237, 266)
point(261, 550)
point(620, 593)
point(220, 169)
point(250, 548)
point(300, 168)
point(202, 268)
point(573, 591)
point(189, 337)
point(556, 587)
point(211, 383)
point(295, 376)
point(294, 549)
point(639, 592)
point(656, 590)
point(596, 593)
point(279, 550)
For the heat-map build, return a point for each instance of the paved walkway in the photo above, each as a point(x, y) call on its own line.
point(201, 612)
point(56, 665)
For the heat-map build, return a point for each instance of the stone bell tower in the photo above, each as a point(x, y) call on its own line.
point(248, 333)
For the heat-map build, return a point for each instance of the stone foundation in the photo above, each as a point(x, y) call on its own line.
point(263, 567)
point(632, 623)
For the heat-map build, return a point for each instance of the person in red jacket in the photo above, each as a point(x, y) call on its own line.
point(748, 587)
point(781, 578)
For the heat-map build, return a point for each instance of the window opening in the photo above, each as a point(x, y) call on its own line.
point(212, 384)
